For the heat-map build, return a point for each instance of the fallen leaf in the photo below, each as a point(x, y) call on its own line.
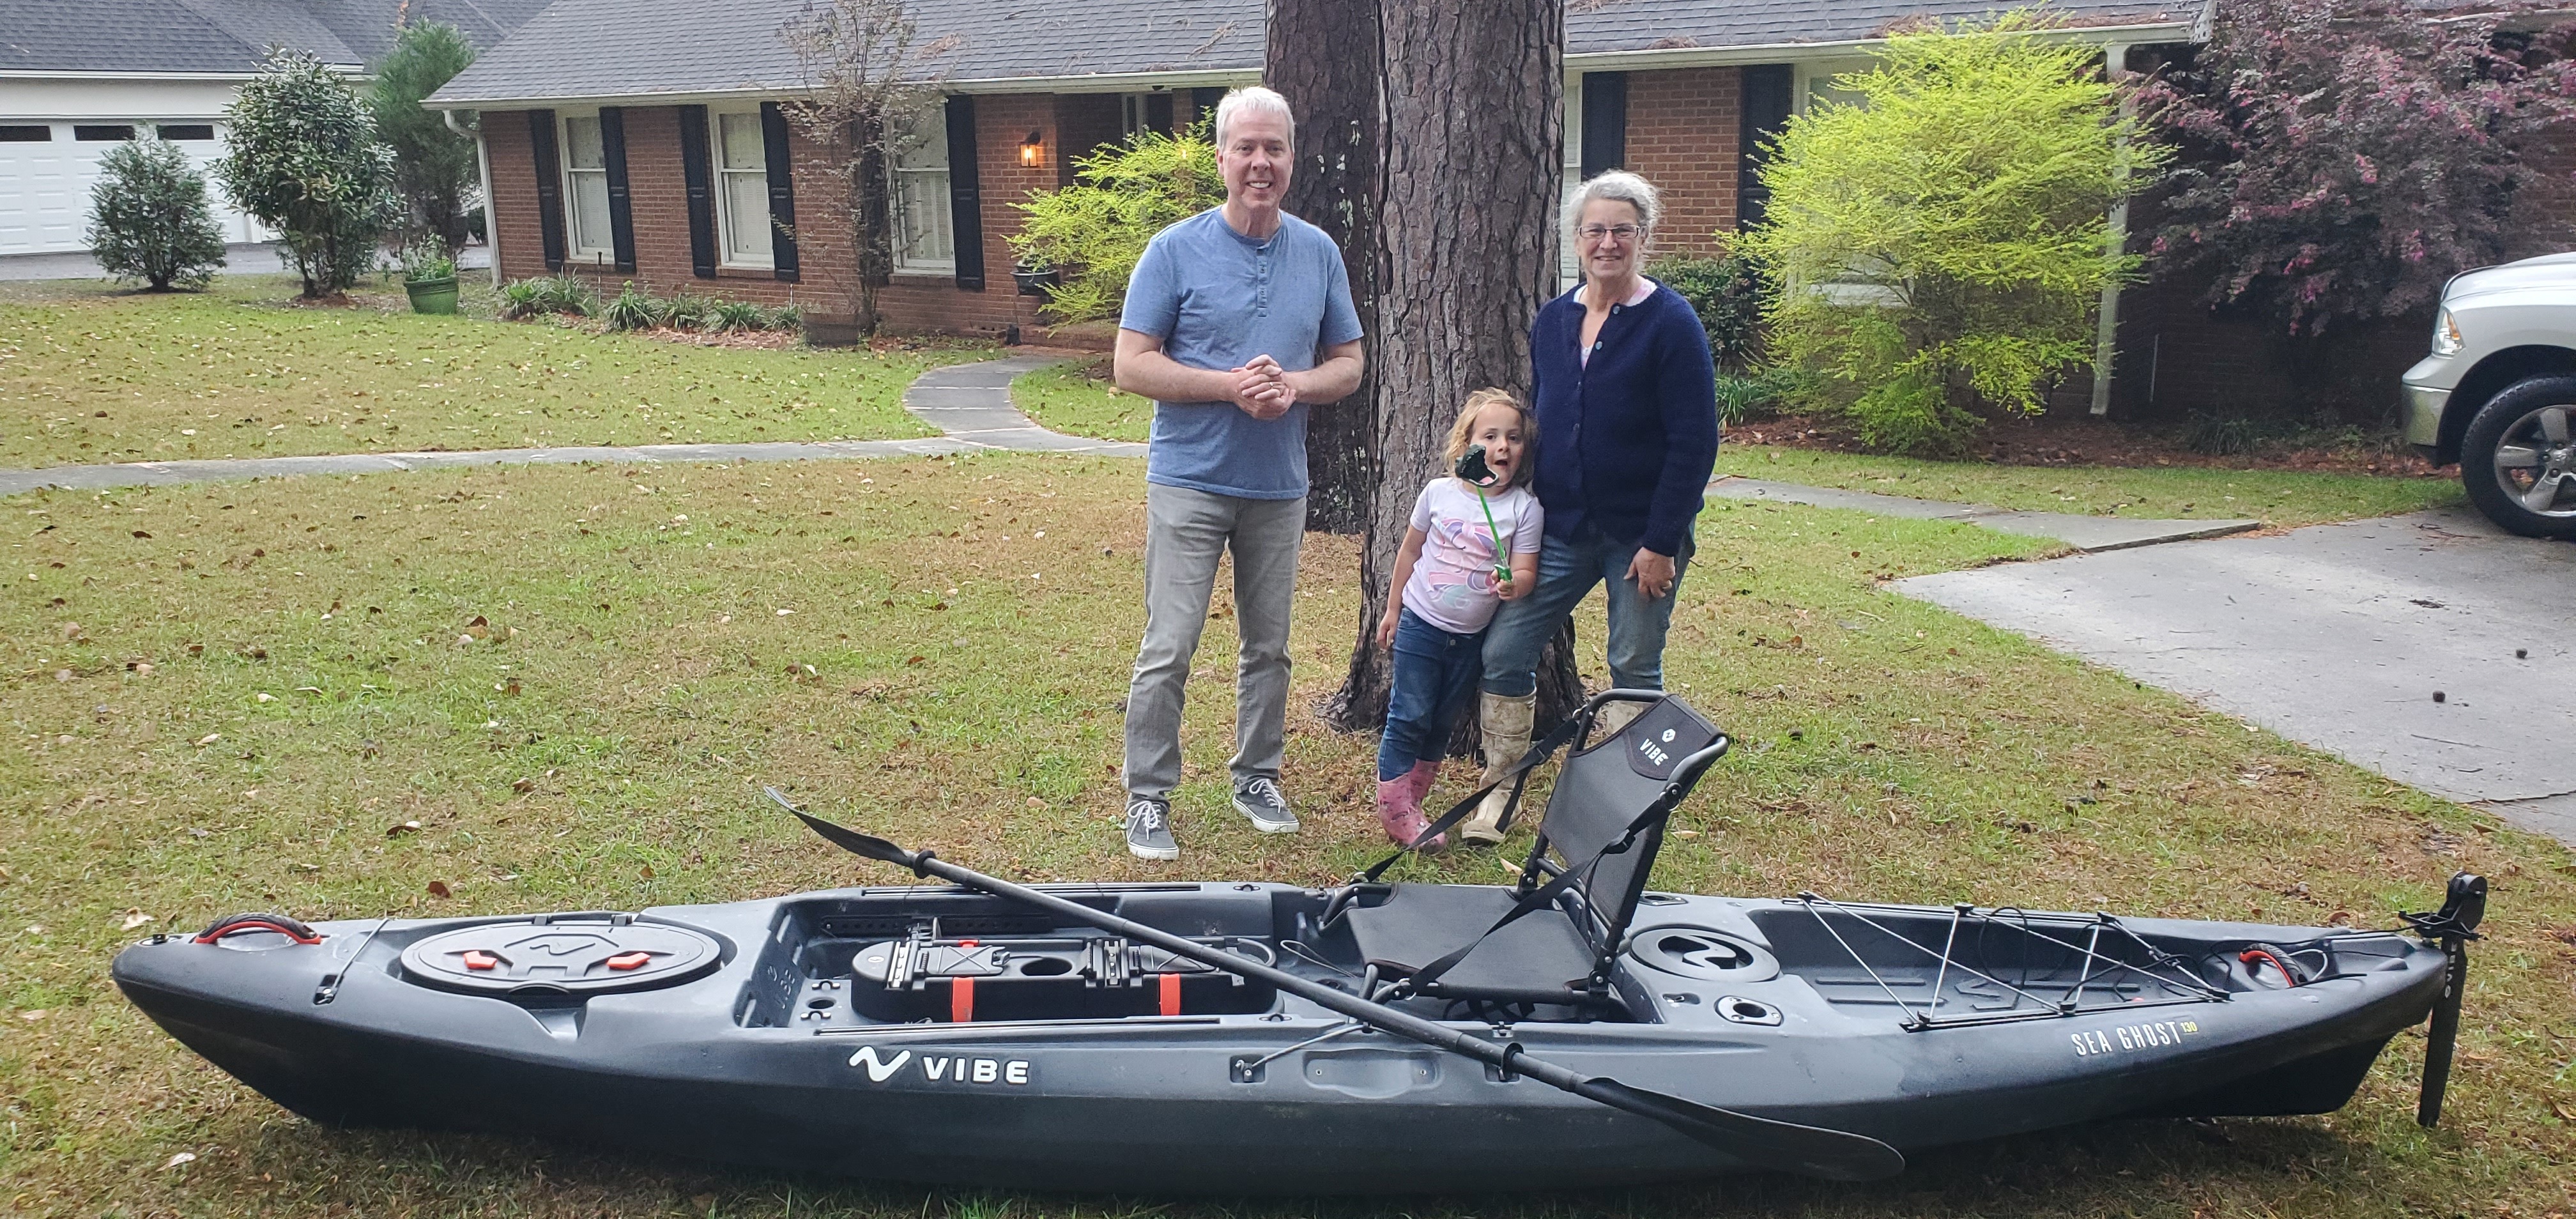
point(438, 889)
point(397, 831)
point(185, 1157)
point(370, 749)
point(647, 872)
point(524, 786)
point(308, 689)
point(136, 918)
point(265, 697)
point(32, 1016)
point(479, 620)
point(2561, 1108)
point(210, 738)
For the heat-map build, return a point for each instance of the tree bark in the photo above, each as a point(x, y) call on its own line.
point(1323, 56)
point(1473, 104)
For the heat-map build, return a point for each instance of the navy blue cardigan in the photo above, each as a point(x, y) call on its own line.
point(1627, 441)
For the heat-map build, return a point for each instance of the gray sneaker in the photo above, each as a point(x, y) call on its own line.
point(1149, 829)
point(1261, 801)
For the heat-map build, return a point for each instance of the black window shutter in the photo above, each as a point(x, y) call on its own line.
point(1770, 93)
point(550, 214)
point(699, 172)
point(965, 194)
point(1605, 122)
point(621, 207)
point(782, 192)
point(1158, 112)
point(1203, 104)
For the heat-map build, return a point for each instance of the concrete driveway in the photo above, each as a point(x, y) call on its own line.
point(2432, 648)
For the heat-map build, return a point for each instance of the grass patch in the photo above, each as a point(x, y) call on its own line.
point(969, 625)
point(1076, 398)
point(90, 375)
point(2275, 497)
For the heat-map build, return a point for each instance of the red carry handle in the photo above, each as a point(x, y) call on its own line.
point(279, 923)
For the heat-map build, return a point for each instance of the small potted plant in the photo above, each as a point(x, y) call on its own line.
point(429, 277)
point(1034, 277)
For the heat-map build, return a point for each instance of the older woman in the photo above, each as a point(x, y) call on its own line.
point(1626, 400)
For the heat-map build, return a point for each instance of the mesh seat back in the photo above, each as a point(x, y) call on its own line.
point(1602, 790)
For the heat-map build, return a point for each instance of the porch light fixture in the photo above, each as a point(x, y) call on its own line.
point(1033, 150)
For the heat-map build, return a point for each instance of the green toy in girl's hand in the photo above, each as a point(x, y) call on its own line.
point(1472, 470)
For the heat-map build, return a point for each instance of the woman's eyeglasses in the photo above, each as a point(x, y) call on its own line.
point(1595, 232)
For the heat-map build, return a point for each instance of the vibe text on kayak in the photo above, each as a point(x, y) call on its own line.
point(939, 1068)
point(2132, 1037)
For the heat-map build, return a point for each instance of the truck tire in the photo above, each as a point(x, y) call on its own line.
point(2518, 458)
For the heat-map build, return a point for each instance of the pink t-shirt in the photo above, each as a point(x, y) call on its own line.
point(1453, 582)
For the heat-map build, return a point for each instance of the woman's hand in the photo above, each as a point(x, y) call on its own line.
point(1386, 628)
point(1653, 573)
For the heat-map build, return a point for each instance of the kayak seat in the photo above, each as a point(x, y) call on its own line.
point(1553, 936)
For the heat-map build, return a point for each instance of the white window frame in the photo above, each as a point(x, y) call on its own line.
point(573, 247)
point(721, 187)
point(931, 183)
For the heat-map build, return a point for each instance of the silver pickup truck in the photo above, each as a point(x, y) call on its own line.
point(2498, 390)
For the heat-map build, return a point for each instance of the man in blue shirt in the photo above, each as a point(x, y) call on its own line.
point(1236, 320)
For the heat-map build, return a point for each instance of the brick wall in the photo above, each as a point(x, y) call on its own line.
point(657, 189)
point(1682, 136)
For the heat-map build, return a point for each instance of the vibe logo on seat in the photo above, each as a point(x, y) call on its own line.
point(943, 1068)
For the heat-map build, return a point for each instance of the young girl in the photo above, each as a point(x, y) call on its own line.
point(1473, 546)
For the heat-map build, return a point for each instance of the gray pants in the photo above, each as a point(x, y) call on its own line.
point(1186, 532)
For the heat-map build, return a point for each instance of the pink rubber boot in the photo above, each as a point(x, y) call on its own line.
point(1399, 810)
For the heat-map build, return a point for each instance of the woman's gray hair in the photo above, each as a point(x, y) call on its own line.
point(1615, 186)
point(1254, 99)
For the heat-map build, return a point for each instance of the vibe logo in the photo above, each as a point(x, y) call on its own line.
point(941, 1069)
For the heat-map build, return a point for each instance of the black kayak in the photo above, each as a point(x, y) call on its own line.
point(1576, 1029)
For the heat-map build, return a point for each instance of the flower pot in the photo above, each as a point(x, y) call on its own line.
point(432, 295)
point(1033, 282)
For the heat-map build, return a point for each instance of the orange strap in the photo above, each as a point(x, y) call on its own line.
point(1171, 994)
point(961, 994)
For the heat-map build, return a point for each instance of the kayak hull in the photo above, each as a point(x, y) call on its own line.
point(784, 1050)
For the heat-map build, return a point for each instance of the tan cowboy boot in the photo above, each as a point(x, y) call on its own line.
point(1506, 725)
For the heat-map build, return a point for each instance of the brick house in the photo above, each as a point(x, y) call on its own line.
point(642, 139)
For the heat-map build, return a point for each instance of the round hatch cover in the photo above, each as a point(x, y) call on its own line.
point(1698, 952)
point(587, 956)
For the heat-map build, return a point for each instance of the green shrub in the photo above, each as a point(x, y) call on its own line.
point(1093, 231)
point(433, 165)
point(1742, 396)
point(304, 158)
point(785, 317)
point(148, 218)
point(566, 294)
point(426, 261)
point(632, 310)
point(688, 311)
point(522, 298)
point(1943, 241)
point(1727, 293)
point(738, 315)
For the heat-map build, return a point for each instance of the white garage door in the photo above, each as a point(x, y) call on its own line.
point(46, 170)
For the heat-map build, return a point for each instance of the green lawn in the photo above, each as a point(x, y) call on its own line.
point(1076, 398)
point(89, 374)
point(2275, 497)
point(575, 678)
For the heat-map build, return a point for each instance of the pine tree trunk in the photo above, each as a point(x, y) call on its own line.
point(1473, 97)
point(1323, 57)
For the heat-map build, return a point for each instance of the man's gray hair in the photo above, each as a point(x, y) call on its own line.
point(1616, 186)
point(1254, 99)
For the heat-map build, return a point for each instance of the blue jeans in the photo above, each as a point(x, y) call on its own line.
point(1567, 570)
point(1435, 674)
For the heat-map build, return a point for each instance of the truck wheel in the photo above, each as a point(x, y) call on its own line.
point(2518, 458)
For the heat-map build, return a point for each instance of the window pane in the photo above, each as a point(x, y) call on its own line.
point(590, 211)
point(187, 131)
point(928, 148)
point(743, 148)
point(582, 148)
point(104, 131)
point(921, 217)
point(746, 218)
point(24, 133)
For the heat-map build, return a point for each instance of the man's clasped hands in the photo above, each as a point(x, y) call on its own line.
point(1261, 389)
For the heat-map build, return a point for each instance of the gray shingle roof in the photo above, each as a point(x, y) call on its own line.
point(187, 36)
point(641, 48)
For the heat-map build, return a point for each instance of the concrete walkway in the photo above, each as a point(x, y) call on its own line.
point(2085, 533)
point(260, 258)
point(970, 403)
point(2431, 648)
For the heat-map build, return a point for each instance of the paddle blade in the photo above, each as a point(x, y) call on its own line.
point(867, 845)
point(1811, 1151)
